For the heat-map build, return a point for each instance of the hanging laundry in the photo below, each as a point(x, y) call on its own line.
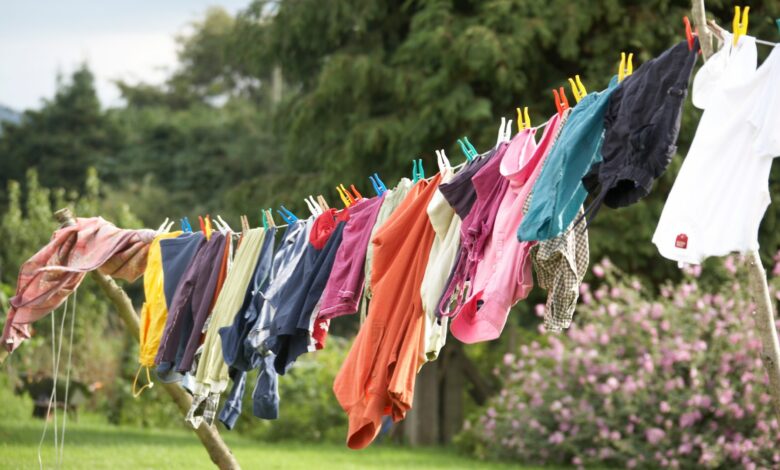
point(475, 231)
point(719, 198)
point(344, 289)
point(377, 377)
point(392, 199)
point(446, 243)
point(559, 193)
point(154, 311)
point(504, 275)
point(238, 354)
point(176, 256)
point(211, 378)
point(190, 307)
point(560, 264)
point(265, 398)
point(56, 270)
point(459, 191)
point(299, 298)
point(641, 125)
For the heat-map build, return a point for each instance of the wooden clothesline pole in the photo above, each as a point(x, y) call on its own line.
point(209, 435)
point(763, 314)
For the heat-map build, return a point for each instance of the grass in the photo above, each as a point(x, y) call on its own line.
point(93, 444)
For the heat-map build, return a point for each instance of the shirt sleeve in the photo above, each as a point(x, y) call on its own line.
point(765, 114)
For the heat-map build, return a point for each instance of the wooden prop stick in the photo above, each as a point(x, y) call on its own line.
point(763, 314)
point(209, 435)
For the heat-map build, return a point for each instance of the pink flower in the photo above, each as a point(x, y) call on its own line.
point(598, 271)
point(556, 438)
point(654, 435)
point(664, 407)
point(729, 265)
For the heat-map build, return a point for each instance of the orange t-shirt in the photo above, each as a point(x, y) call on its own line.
point(377, 377)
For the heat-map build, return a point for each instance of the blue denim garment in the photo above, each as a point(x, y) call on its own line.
point(231, 410)
point(559, 193)
point(265, 398)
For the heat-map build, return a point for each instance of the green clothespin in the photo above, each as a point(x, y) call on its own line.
point(265, 221)
point(464, 149)
point(471, 148)
point(418, 172)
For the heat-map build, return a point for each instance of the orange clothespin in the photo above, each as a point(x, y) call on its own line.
point(355, 192)
point(626, 66)
point(523, 120)
point(347, 193)
point(690, 35)
point(739, 25)
point(561, 102)
point(577, 88)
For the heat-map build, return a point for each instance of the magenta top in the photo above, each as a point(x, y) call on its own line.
point(503, 275)
point(345, 285)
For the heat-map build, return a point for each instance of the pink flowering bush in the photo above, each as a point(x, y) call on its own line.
point(641, 380)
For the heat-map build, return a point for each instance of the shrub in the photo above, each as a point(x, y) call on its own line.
point(641, 380)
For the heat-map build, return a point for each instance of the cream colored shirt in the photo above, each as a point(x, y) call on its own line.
point(212, 373)
point(446, 225)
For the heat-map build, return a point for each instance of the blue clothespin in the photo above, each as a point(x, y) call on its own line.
point(380, 183)
point(288, 216)
point(777, 22)
point(376, 187)
point(185, 225)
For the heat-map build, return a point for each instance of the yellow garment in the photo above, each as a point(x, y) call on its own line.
point(154, 312)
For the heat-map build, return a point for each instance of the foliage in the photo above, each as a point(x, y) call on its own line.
point(639, 382)
point(308, 410)
point(26, 226)
point(68, 135)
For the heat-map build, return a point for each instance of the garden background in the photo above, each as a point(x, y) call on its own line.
point(286, 99)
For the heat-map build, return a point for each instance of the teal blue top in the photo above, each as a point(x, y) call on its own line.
point(558, 193)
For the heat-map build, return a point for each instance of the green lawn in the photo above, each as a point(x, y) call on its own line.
point(92, 444)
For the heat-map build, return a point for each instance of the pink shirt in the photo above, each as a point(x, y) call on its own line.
point(504, 275)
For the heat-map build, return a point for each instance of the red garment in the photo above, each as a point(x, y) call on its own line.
point(54, 272)
point(324, 225)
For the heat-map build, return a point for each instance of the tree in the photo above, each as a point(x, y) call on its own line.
point(65, 137)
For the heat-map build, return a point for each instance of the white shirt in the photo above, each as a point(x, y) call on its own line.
point(721, 193)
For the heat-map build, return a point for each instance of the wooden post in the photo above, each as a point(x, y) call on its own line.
point(209, 435)
point(765, 325)
point(759, 290)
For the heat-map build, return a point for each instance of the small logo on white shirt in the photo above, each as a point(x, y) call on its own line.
point(681, 241)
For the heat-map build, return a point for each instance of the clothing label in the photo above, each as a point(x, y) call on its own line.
point(682, 241)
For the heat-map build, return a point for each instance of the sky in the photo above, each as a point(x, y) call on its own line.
point(131, 40)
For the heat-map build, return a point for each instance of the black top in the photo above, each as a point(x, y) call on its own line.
point(641, 125)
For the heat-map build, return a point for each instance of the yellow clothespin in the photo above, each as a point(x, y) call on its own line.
point(740, 24)
point(343, 196)
point(626, 66)
point(523, 120)
point(577, 88)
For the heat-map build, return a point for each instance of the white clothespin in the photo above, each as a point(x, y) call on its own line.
point(508, 131)
point(314, 208)
point(501, 131)
point(162, 228)
point(224, 227)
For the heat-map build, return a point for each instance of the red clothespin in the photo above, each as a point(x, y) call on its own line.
point(689, 35)
point(202, 224)
point(561, 102)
